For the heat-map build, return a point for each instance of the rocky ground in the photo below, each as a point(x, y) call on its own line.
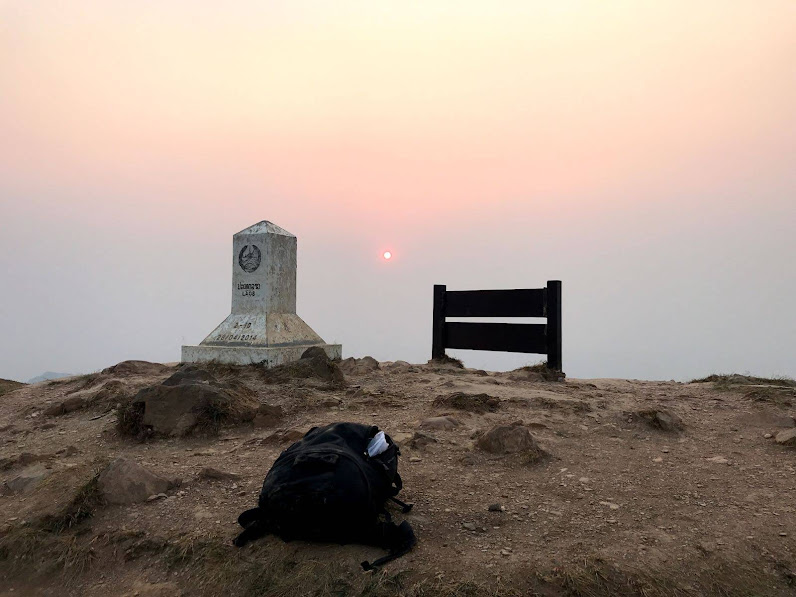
point(117, 483)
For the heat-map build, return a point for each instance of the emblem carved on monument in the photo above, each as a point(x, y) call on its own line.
point(249, 258)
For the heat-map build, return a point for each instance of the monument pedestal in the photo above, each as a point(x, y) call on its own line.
point(248, 355)
point(263, 326)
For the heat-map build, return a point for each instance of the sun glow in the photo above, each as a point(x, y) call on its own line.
point(387, 255)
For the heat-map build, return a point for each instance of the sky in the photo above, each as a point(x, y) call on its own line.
point(642, 152)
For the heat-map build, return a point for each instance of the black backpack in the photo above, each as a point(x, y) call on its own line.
point(325, 487)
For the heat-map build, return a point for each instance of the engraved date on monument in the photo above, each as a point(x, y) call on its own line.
point(237, 337)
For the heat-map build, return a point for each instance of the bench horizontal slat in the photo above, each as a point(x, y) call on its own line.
point(509, 337)
point(495, 303)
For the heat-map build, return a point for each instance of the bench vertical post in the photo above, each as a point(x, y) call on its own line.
point(553, 331)
point(438, 331)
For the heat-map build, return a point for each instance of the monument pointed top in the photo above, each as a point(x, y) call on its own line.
point(265, 227)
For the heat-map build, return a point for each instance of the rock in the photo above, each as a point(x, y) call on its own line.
point(415, 459)
point(767, 436)
point(402, 437)
point(27, 480)
point(190, 375)
point(127, 482)
point(268, 416)
point(444, 423)
point(282, 436)
point(110, 392)
point(217, 475)
point(27, 458)
point(293, 435)
point(420, 440)
point(193, 397)
point(136, 368)
point(508, 439)
point(313, 364)
point(469, 526)
point(157, 496)
point(352, 366)
point(397, 366)
point(661, 419)
point(67, 451)
point(496, 508)
point(786, 438)
point(71, 404)
point(717, 459)
point(477, 403)
point(611, 505)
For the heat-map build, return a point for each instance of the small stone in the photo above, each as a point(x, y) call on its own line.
point(217, 475)
point(420, 440)
point(469, 526)
point(767, 436)
point(658, 459)
point(505, 552)
point(444, 423)
point(496, 508)
point(584, 480)
point(611, 505)
point(718, 459)
point(156, 496)
point(415, 459)
point(783, 534)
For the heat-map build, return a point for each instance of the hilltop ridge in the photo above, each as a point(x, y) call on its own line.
point(637, 487)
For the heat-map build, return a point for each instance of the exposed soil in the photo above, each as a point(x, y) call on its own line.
point(623, 503)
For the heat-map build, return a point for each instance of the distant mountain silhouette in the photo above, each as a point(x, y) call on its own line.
point(48, 375)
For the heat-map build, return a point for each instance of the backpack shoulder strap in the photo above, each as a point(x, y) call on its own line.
point(253, 527)
point(399, 539)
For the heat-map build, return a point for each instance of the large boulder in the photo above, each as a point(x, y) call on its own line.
point(127, 482)
point(189, 399)
point(136, 368)
point(314, 364)
point(508, 439)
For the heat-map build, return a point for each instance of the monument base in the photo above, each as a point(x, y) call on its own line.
point(249, 355)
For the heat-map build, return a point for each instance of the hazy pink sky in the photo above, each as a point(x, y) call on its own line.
point(642, 152)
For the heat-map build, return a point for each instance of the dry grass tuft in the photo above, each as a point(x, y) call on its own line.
point(86, 501)
point(130, 420)
point(541, 371)
point(447, 361)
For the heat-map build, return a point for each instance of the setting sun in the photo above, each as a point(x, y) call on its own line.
point(387, 255)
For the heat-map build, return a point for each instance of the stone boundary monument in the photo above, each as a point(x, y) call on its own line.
point(263, 326)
